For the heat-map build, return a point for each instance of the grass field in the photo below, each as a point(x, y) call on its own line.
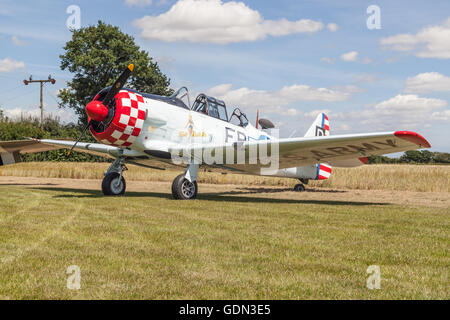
point(423, 178)
point(221, 246)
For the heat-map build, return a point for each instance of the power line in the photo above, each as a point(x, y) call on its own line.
point(15, 97)
point(7, 91)
point(11, 77)
point(53, 97)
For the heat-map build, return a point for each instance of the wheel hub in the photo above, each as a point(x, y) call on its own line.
point(116, 185)
point(188, 188)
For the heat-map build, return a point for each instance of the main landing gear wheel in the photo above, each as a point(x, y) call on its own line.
point(113, 184)
point(299, 187)
point(183, 189)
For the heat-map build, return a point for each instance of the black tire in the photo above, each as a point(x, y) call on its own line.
point(109, 185)
point(299, 187)
point(183, 189)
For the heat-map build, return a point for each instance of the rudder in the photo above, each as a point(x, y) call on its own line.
point(320, 127)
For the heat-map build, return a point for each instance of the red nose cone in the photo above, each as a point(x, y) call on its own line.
point(96, 110)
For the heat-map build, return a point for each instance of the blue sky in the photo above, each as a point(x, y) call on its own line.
point(288, 59)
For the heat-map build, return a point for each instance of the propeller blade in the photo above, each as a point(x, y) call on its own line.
point(81, 136)
point(118, 85)
point(96, 108)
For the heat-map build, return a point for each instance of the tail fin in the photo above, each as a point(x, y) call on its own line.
point(320, 126)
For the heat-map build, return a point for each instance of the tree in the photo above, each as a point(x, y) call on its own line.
point(27, 126)
point(416, 156)
point(441, 157)
point(97, 55)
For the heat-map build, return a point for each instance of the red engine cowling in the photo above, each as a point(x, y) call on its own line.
point(127, 121)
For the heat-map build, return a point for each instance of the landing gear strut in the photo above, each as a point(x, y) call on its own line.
point(113, 183)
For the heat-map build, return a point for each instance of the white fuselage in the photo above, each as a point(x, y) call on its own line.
point(168, 126)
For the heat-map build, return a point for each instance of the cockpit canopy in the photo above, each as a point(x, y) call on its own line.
point(210, 106)
point(239, 118)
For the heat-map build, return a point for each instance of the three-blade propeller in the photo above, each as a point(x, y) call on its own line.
point(98, 111)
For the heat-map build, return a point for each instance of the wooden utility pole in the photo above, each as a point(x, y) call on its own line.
point(52, 81)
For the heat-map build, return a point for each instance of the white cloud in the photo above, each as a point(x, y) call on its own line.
point(350, 56)
point(333, 27)
point(442, 115)
point(427, 82)
point(408, 103)
point(397, 113)
point(350, 88)
point(292, 112)
point(165, 61)
point(8, 65)
point(275, 101)
point(313, 114)
point(213, 21)
point(430, 42)
point(63, 114)
point(17, 41)
point(18, 112)
point(327, 60)
point(138, 2)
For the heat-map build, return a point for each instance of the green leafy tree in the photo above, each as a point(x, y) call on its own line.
point(416, 156)
point(25, 126)
point(441, 157)
point(96, 56)
point(381, 159)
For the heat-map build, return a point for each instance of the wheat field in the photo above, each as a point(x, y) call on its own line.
point(422, 178)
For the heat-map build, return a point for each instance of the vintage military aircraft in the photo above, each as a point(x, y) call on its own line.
point(144, 129)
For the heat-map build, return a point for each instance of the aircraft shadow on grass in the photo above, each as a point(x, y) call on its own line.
point(28, 184)
point(224, 196)
point(249, 190)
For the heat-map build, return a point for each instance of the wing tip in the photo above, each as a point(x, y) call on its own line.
point(413, 137)
point(32, 139)
point(364, 160)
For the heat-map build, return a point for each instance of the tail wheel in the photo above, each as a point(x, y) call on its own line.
point(299, 187)
point(183, 189)
point(113, 184)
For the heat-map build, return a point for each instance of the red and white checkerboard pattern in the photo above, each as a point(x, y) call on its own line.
point(128, 120)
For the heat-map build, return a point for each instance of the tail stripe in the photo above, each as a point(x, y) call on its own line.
point(324, 171)
point(326, 125)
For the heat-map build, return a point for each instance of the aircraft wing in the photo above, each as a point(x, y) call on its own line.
point(10, 150)
point(24, 146)
point(295, 152)
point(104, 150)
